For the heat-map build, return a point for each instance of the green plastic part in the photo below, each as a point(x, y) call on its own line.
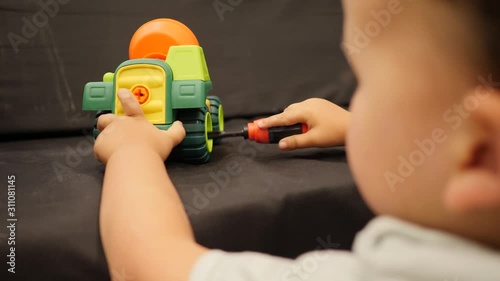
point(108, 77)
point(163, 127)
point(208, 129)
point(195, 148)
point(189, 93)
point(217, 112)
point(186, 99)
point(95, 133)
point(188, 63)
point(98, 96)
point(208, 85)
point(221, 118)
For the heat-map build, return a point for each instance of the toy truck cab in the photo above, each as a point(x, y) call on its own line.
point(170, 84)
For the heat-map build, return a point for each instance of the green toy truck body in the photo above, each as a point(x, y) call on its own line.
point(168, 90)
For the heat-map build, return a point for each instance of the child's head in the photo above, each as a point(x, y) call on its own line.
point(424, 143)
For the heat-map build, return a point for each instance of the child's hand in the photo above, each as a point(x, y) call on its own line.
point(133, 131)
point(327, 123)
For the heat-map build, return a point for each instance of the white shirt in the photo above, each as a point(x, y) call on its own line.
point(387, 249)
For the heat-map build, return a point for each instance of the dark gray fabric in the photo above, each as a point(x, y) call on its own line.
point(256, 198)
point(262, 55)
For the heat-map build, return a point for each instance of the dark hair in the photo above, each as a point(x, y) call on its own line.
point(490, 23)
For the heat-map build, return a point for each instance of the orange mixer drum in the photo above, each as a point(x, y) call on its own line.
point(154, 39)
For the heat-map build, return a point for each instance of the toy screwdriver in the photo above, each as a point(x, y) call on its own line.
point(254, 133)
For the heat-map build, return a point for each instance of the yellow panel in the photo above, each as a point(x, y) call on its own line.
point(154, 79)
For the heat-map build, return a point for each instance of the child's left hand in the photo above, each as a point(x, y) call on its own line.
point(133, 131)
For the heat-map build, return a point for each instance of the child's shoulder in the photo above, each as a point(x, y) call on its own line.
point(393, 246)
point(387, 247)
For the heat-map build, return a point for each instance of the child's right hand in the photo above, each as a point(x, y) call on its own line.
point(327, 123)
point(134, 131)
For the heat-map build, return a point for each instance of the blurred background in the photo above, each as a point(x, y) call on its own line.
point(262, 55)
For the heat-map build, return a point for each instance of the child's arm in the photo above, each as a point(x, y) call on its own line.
point(145, 232)
point(327, 123)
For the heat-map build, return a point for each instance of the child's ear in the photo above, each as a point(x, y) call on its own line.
point(475, 184)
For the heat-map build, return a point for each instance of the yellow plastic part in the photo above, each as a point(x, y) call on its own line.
point(108, 77)
point(148, 76)
point(188, 63)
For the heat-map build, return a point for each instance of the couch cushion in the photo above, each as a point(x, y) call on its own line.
point(248, 197)
point(262, 55)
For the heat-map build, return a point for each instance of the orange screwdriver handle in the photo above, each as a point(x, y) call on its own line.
point(273, 134)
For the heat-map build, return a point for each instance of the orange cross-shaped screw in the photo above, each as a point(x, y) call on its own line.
point(141, 93)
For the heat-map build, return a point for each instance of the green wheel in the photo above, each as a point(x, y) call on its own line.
point(217, 112)
point(196, 148)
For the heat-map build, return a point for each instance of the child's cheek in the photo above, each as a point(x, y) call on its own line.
point(355, 136)
point(365, 153)
point(364, 143)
